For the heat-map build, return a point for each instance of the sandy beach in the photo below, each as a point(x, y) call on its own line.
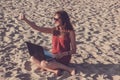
point(97, 28)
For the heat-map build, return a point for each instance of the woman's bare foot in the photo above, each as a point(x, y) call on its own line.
point(57, 72)
point(73, 72)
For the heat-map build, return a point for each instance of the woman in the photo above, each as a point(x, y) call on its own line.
point(63, 43)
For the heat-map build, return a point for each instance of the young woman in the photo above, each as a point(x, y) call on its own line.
point(63, 43)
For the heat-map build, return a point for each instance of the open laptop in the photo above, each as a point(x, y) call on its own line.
point(38, 52)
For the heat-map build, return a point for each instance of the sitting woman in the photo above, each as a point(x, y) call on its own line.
point(63, 43)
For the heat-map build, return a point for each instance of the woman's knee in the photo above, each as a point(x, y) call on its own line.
point(44, 63)
point(31, 59)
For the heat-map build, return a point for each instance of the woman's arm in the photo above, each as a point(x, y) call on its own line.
point(34, 26)
point(73, 42)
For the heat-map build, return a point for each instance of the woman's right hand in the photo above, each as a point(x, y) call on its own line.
point(21, 16)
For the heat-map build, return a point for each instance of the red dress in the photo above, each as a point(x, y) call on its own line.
point(61, 44)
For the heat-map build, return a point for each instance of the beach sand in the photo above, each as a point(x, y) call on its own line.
point(97, 27)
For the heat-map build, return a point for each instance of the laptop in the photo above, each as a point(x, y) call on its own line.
point(38, 52)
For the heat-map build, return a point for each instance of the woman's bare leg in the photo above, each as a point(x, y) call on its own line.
point(53, 65)
point(35, 62)
point(38, 65)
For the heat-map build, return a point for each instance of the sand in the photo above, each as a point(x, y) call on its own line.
point(97, 25)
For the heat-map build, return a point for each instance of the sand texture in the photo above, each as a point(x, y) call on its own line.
point(97, 26)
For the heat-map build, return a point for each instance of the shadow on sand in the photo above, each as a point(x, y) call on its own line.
point(97, 69)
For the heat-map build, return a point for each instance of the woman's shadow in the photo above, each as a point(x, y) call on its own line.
point(88, 69)
point(97, 69)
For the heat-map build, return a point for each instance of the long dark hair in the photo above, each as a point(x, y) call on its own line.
point(65, 19)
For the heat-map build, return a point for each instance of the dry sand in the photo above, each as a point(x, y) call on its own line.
point(97, 25)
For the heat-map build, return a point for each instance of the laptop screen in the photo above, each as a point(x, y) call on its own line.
point(36, 51)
